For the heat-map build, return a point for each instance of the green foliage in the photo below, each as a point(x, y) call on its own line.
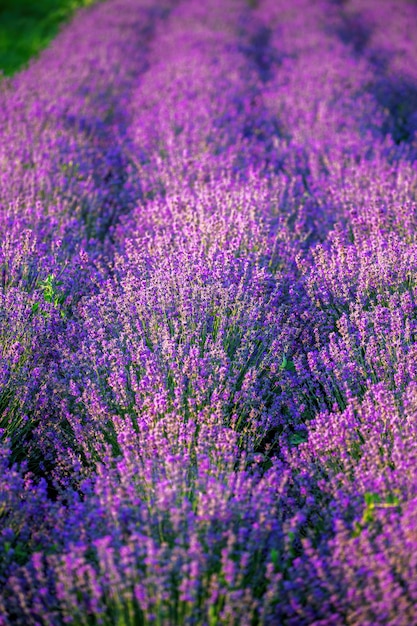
point(287, 365)
point(297, 438)
point(50, 292)
point(49, 286)
point(28, 26)
point(373, 502)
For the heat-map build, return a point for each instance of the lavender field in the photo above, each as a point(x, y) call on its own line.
point(208, 317)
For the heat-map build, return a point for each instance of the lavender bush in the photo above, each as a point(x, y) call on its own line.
point(208, 319)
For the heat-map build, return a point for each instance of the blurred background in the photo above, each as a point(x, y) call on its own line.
point(27, 26)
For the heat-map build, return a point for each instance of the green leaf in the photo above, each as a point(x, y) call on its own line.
point(371, 499)
point(287, 365)
point(297, 438)
point(274, 557)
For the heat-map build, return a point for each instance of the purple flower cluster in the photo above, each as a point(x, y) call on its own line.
point(208, 318)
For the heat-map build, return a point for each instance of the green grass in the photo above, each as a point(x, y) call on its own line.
point(28, 26)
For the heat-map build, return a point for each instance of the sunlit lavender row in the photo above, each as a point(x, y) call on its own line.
point(208, 317)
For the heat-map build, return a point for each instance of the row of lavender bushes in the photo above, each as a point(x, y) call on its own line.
point(208, 318)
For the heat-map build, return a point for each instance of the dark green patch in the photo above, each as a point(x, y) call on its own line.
point(28, 26)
